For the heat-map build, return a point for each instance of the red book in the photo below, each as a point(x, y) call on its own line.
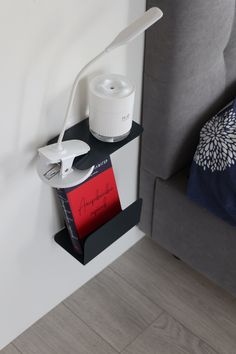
point(92, 203)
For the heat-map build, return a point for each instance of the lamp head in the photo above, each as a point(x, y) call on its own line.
point(136, 28)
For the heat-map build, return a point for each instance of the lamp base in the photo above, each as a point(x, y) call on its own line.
point(50, 174)
point(54, 165)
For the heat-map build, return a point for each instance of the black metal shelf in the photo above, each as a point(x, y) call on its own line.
point(103, 237)
point(108, 233)
point(99, 150)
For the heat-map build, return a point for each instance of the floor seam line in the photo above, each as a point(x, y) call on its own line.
point(141, 332)
point(15, 346)
point(164, 310)
point(135, 290)
point(141, 293)
point(89, 326)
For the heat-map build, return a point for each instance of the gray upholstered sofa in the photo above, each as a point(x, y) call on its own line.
point(189, 74)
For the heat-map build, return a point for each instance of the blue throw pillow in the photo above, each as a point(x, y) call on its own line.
point(212, 181)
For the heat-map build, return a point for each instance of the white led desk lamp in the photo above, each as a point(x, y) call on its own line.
point(56, 160)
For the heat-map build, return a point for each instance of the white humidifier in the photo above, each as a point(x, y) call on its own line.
point(111, 105)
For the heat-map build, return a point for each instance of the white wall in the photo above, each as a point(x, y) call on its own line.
point(43, 43)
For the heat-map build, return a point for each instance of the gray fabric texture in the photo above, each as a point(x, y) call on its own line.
point(198, 237)
point(189, 75)
point(146, 191)
point(190, 64)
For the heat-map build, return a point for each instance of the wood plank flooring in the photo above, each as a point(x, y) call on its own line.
point(203, 308)
point(113, 309)
point(146, 302)
point(165, 336)
point(61, 331)
point(10, 349)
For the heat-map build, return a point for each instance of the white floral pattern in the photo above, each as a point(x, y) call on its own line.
point(217, 146)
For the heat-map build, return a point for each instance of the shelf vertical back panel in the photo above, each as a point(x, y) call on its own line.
point(111, 231)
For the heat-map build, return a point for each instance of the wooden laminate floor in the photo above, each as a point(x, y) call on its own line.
point(146, 302)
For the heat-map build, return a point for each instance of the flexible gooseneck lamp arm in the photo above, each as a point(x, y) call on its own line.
point(65, 152)
point(72, 97)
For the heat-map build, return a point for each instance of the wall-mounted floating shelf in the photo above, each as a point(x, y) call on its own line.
point(108, 233)
point(98, 149)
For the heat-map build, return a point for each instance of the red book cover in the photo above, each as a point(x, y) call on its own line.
point(95, 201)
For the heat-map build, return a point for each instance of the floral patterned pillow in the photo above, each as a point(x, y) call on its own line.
point(212, 181)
